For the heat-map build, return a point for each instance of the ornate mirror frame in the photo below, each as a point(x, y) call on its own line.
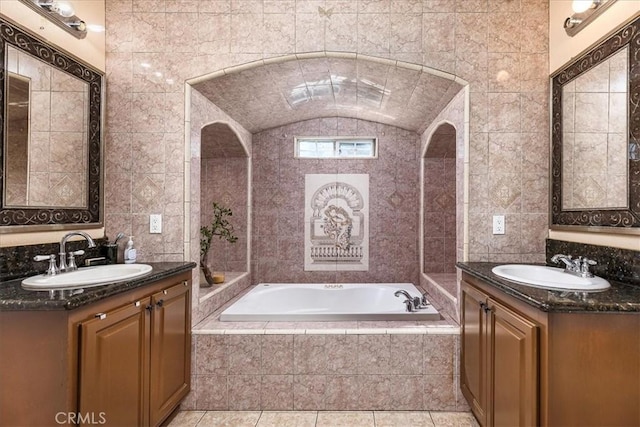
point(624, 220)
point(14, 220)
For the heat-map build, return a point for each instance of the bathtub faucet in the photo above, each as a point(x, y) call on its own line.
point(412, 303)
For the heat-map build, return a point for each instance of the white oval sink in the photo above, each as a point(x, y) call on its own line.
point(549, 277)
point(86, 277)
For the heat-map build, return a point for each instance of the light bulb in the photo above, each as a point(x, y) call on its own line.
point(95, 28)
point(580, 6)
point(63, 9)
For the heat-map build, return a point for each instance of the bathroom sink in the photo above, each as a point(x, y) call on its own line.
point(86, 277)
point(549, 278)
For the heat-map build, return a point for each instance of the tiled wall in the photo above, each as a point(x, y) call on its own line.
point(224, 181)
point(325, 372)
point(204, 113)
point(443, 288)
point(439, 204)
point(500, 47)
point(224, 177)
point(278, 202)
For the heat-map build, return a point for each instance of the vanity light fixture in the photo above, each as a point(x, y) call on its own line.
point(60, 13)
point(585, 11)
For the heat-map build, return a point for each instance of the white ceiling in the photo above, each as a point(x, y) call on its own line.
point(272, 93)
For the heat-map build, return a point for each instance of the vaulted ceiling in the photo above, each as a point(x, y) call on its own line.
point(284, 90)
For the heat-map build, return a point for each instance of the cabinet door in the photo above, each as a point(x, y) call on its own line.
point(170, 376)
point(474, 354)
point(114, 354)
point(514, 368)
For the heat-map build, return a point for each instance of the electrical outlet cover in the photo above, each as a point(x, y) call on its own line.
point(155, 223)
point(498, 224)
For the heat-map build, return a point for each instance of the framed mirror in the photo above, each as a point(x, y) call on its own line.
point(51, 144)
point(595, 137)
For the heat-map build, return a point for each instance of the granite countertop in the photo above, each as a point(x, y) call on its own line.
point(620, 297)
point(14, 298)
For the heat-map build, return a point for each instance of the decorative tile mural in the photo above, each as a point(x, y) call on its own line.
point(336, 222)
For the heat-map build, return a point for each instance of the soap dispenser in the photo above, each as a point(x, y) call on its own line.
point(130, 252)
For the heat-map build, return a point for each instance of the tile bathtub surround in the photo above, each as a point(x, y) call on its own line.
point(506, 66)
point(324, 365)
point(622, 265)
point(326, 372)
point(208, 300)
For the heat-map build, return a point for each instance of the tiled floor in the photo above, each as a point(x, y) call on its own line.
point(321, 419)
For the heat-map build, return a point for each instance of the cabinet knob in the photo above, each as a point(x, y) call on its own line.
point(485, 307)
point(149, 308)
point(160, 303)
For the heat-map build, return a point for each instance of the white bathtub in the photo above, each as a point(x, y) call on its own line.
point(288, 302)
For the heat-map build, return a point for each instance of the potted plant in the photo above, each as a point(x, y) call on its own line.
point(221, 227)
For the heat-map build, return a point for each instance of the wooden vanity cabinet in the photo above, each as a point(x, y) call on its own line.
point(125, 360)
point(521, 366)
point(114, 364)
point(135, 359)
point(499, 361)
point(170, 365)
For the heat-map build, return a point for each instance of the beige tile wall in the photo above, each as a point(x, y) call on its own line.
point(325, 372)
point(500, 47)
point(439, 202)
point(278, 202)
point(203, 113)
point(443, 288)
point(224, 180)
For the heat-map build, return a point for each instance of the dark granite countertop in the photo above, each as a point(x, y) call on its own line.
point(620, 297)
point(13, 297)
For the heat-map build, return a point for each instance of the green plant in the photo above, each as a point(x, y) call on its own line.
point(220, 226)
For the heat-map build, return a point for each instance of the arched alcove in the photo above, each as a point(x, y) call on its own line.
point(224, 175)
point(440, 227)
point(323, 89)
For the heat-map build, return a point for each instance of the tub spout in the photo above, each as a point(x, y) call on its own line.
point(411, 302)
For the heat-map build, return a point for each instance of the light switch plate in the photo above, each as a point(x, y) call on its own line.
point(155, 223)
point(498, 224)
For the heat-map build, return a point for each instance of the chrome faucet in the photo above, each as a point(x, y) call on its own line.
point(62, 267)
point(412, 303)
point(564, 258)
point(408, 302)
point(576, 266)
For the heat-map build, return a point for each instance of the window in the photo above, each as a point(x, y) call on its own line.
point(336, 148)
